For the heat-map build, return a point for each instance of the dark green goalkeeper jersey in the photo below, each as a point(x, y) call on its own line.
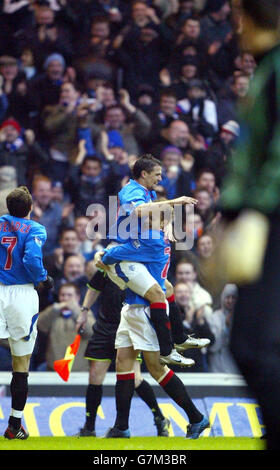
point(253, 179)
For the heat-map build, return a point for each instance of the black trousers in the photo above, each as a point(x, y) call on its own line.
point(255, 338)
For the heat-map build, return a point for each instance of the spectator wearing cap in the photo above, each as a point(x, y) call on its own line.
point(19, 149)
point(231, 96)
point(201, 109)
point(45, 36)
point(44, 89)
point(220, 150)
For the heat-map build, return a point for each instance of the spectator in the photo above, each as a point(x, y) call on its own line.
point(219, 355)
point(247, 64)
point(186, 272)
point(178, 134)
point(46, 212)
point(44, 89)
point(73, 271)
point(133, 125)
point(220, 150)
point(186, 9)
point(98, 44)
point(87, 185)
point(177, 180)
point(69, 244)
point(45, 36)
point(215, 25)
point(80, 225)
point(141, 46)
point(231, 97)
point(11, 73)
point(62, 123)
point(201, 109)
point(58, 323)
point(188, 71)
point(164, 113)
point(206, 180)
point(19, 149)
point(205, 206)
point(194, 322)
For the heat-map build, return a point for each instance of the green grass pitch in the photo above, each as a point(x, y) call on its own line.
point(134, 443)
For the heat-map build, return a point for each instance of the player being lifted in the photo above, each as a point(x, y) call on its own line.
point(138, 198)
point(136, 333)
point(21, 241)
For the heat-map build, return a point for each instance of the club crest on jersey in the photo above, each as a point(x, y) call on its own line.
point(136, 243)
point(38, 241)
point(131, 267)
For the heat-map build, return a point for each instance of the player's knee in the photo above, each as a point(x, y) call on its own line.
point(155, 294)
point(21, 363)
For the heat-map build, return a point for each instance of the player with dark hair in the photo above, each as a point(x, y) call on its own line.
point(136, 200)
point(136, 333)
point(21, 242)
point(101, 352)
point(250, 198)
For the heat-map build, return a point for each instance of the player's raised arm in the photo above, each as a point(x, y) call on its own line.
point(144, 209)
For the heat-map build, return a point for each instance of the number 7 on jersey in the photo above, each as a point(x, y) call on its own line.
point(11, 243)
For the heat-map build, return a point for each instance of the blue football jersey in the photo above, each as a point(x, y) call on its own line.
point(21, 242)
point(154, 252)
point(128, 226)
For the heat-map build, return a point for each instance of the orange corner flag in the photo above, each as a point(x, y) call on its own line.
point(63, 366)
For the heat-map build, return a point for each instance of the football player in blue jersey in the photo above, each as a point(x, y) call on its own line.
point(22, 269)
point(136, 200)
point(136, 332)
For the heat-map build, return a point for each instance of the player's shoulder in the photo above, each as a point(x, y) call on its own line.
point(132, 190)
point(36, 228)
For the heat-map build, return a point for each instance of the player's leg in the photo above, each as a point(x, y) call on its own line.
point(176, 390)
point(146, 393)
point(137, 278)
point(94, 393)
point(100, 351)
point(181, 339)
point(19, 392)
point(124, 390)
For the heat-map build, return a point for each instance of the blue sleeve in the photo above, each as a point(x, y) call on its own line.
point(33, 257)
point(127, 252)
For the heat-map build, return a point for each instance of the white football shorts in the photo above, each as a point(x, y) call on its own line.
point(19, 309)
point(136, 330)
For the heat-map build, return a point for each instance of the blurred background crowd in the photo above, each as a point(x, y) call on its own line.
point(88, 86)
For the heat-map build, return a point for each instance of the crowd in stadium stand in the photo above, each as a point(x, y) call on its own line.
point(88, 86)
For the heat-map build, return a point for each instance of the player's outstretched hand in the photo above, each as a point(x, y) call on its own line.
point(186, 200)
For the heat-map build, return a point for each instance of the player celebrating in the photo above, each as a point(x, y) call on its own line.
point(21, 241)
point(101, 352)
point(136, 333)
point(136, 199)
